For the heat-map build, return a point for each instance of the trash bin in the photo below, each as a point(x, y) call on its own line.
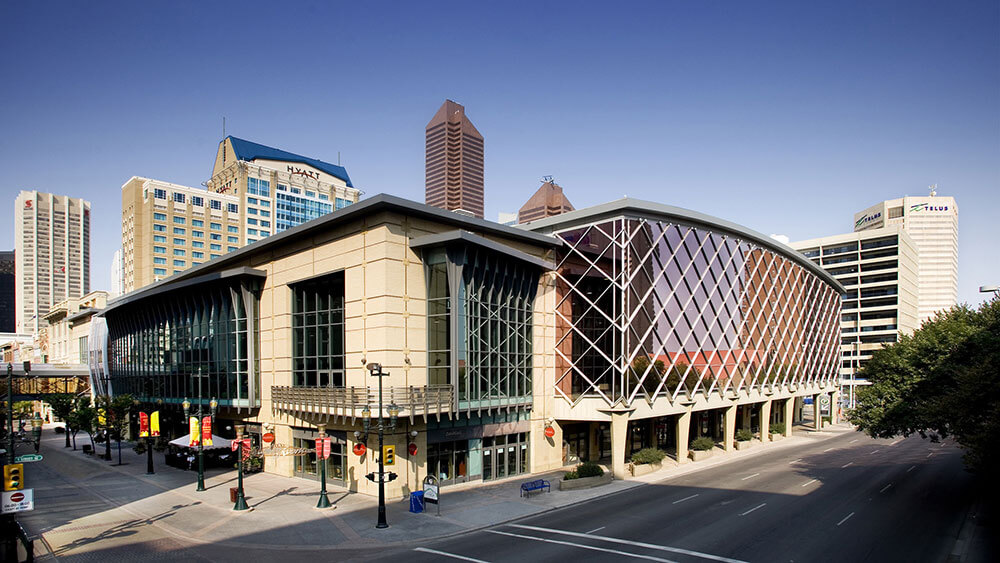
point(233, 492)
point(417, 502)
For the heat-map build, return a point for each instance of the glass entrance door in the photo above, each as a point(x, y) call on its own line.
point(505, 456)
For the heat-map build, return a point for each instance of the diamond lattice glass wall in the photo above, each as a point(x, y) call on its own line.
point(648, 308)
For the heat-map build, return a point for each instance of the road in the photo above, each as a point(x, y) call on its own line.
point(848, 498)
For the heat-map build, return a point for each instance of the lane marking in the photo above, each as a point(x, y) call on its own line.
point(912, 467)
point(885, 487)
point(794, 461)
point(826, 450)
point(930, 454)
point(875, 452)
point(684, 499)
point(847, 464)
point(596, 530)
point(446, 554)
point(749, 476)
point(632, 543)
point(852, 441)
point(846, 518)
point(809, 483)
point(581, 546)
point(896, 442)
point(761, 505)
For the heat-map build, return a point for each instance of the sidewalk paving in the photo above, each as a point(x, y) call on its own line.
point(284, 516)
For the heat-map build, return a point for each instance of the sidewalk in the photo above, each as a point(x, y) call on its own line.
point(284, 516)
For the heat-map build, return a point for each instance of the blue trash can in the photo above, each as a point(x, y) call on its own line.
point(417, 502)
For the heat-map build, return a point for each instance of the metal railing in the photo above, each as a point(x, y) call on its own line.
point(346, 403)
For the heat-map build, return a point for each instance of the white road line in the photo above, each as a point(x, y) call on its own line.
point(896, 442)
point(846, 518)
point(761, 505)
point(794, 461)
point(912, 467)
point(885, 488)
point(446, 554)
point(930, 454)
point(632, 543)
point(847, 464)
point(749, 476)
point(581, 546)
point(828, 449)
point(596, 530)
point(875, 452)
point(852, 441)
point(684, 499)
point(809, 483)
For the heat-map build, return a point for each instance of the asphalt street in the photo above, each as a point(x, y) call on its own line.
point(849, 498)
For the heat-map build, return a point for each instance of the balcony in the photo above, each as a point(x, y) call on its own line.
point(340, 404)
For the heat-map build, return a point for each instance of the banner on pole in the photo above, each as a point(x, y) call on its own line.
point(143, 425)
point(206, 430)
point(154, 423)
point(195, 431)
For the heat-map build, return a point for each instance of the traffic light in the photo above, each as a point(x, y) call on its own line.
point(389, 455)
point(13, 477)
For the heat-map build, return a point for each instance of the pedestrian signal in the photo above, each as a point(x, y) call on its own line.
point(13, 477)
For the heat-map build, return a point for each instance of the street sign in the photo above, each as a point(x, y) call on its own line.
point(267, 438)
point(17, 501)
point(28, 458)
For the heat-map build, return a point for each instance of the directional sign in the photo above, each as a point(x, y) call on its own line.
point(18, 501)
point(28, 458)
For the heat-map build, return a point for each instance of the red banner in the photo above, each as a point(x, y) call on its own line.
point(323, 446)
point(206, 430)
point(143, 425)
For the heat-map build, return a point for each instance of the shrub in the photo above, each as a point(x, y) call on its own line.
point(589, 469)
point(648, 455)
point(743, 435)
point(702, 444)
point(139, 447)
point(778, 428)
point(570, 475)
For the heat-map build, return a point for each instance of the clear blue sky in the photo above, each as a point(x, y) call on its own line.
point(786, 117)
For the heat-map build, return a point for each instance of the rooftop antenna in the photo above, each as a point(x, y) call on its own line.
point(338, 158)
point(933, 188)
point(546, 179)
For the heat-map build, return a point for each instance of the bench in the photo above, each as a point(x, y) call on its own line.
point(536, 485)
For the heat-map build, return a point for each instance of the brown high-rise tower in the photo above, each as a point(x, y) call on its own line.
point(549, 200)
point(454, 161)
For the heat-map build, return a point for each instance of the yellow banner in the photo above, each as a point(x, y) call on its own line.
point(195, 430)
point(154, 423)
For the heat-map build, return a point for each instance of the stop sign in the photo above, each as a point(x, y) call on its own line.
point(268, 438)
point(17, 497)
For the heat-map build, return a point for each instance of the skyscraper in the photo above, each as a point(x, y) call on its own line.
point(7, 293)
point(932, 223)
point(454, 162)
point(549, 200)
point(52, 247)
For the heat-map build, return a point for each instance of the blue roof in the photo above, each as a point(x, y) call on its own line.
point(248, 150)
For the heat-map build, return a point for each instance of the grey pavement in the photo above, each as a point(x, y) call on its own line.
point(89, 509)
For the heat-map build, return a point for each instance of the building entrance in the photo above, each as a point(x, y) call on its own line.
point(505, 456)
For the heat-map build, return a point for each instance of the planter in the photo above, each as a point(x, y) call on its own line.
point(585, 482)
point(698, 455)
point(745, 445)
point(775, 437)
point(641, 469)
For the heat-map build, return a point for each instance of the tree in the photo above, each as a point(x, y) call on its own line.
point(940, 381)
point(82, 418)
point(62, 405)
point(118, 410)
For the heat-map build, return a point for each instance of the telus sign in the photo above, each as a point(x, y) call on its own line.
point(867, 219)
point(927, 207)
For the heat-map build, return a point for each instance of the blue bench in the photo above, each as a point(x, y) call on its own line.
point(536, 485)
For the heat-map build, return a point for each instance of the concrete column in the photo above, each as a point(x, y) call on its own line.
point(619, 437)
point(730, 433)
point(683, 429)
point(789, 412)
point(835, 407)
point(595, 442)
point(817, 417)
point(765, 421)
point(746, 416)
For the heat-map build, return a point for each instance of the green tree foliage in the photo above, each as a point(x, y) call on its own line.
point(83, 418)
point(940, 381)
point(62, 404)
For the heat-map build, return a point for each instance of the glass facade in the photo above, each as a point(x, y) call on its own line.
point(318, 332)
point(480, 308)
point(649, 308)
point(159, 348)
point(292, 210)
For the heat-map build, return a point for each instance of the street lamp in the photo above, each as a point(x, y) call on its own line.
point(376, 371)
point(201, 441)
point(994, 289)
point(241, 501)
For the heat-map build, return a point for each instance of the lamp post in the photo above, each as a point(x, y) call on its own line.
point(201, 441)
point(241, 501)
point(376, 371)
